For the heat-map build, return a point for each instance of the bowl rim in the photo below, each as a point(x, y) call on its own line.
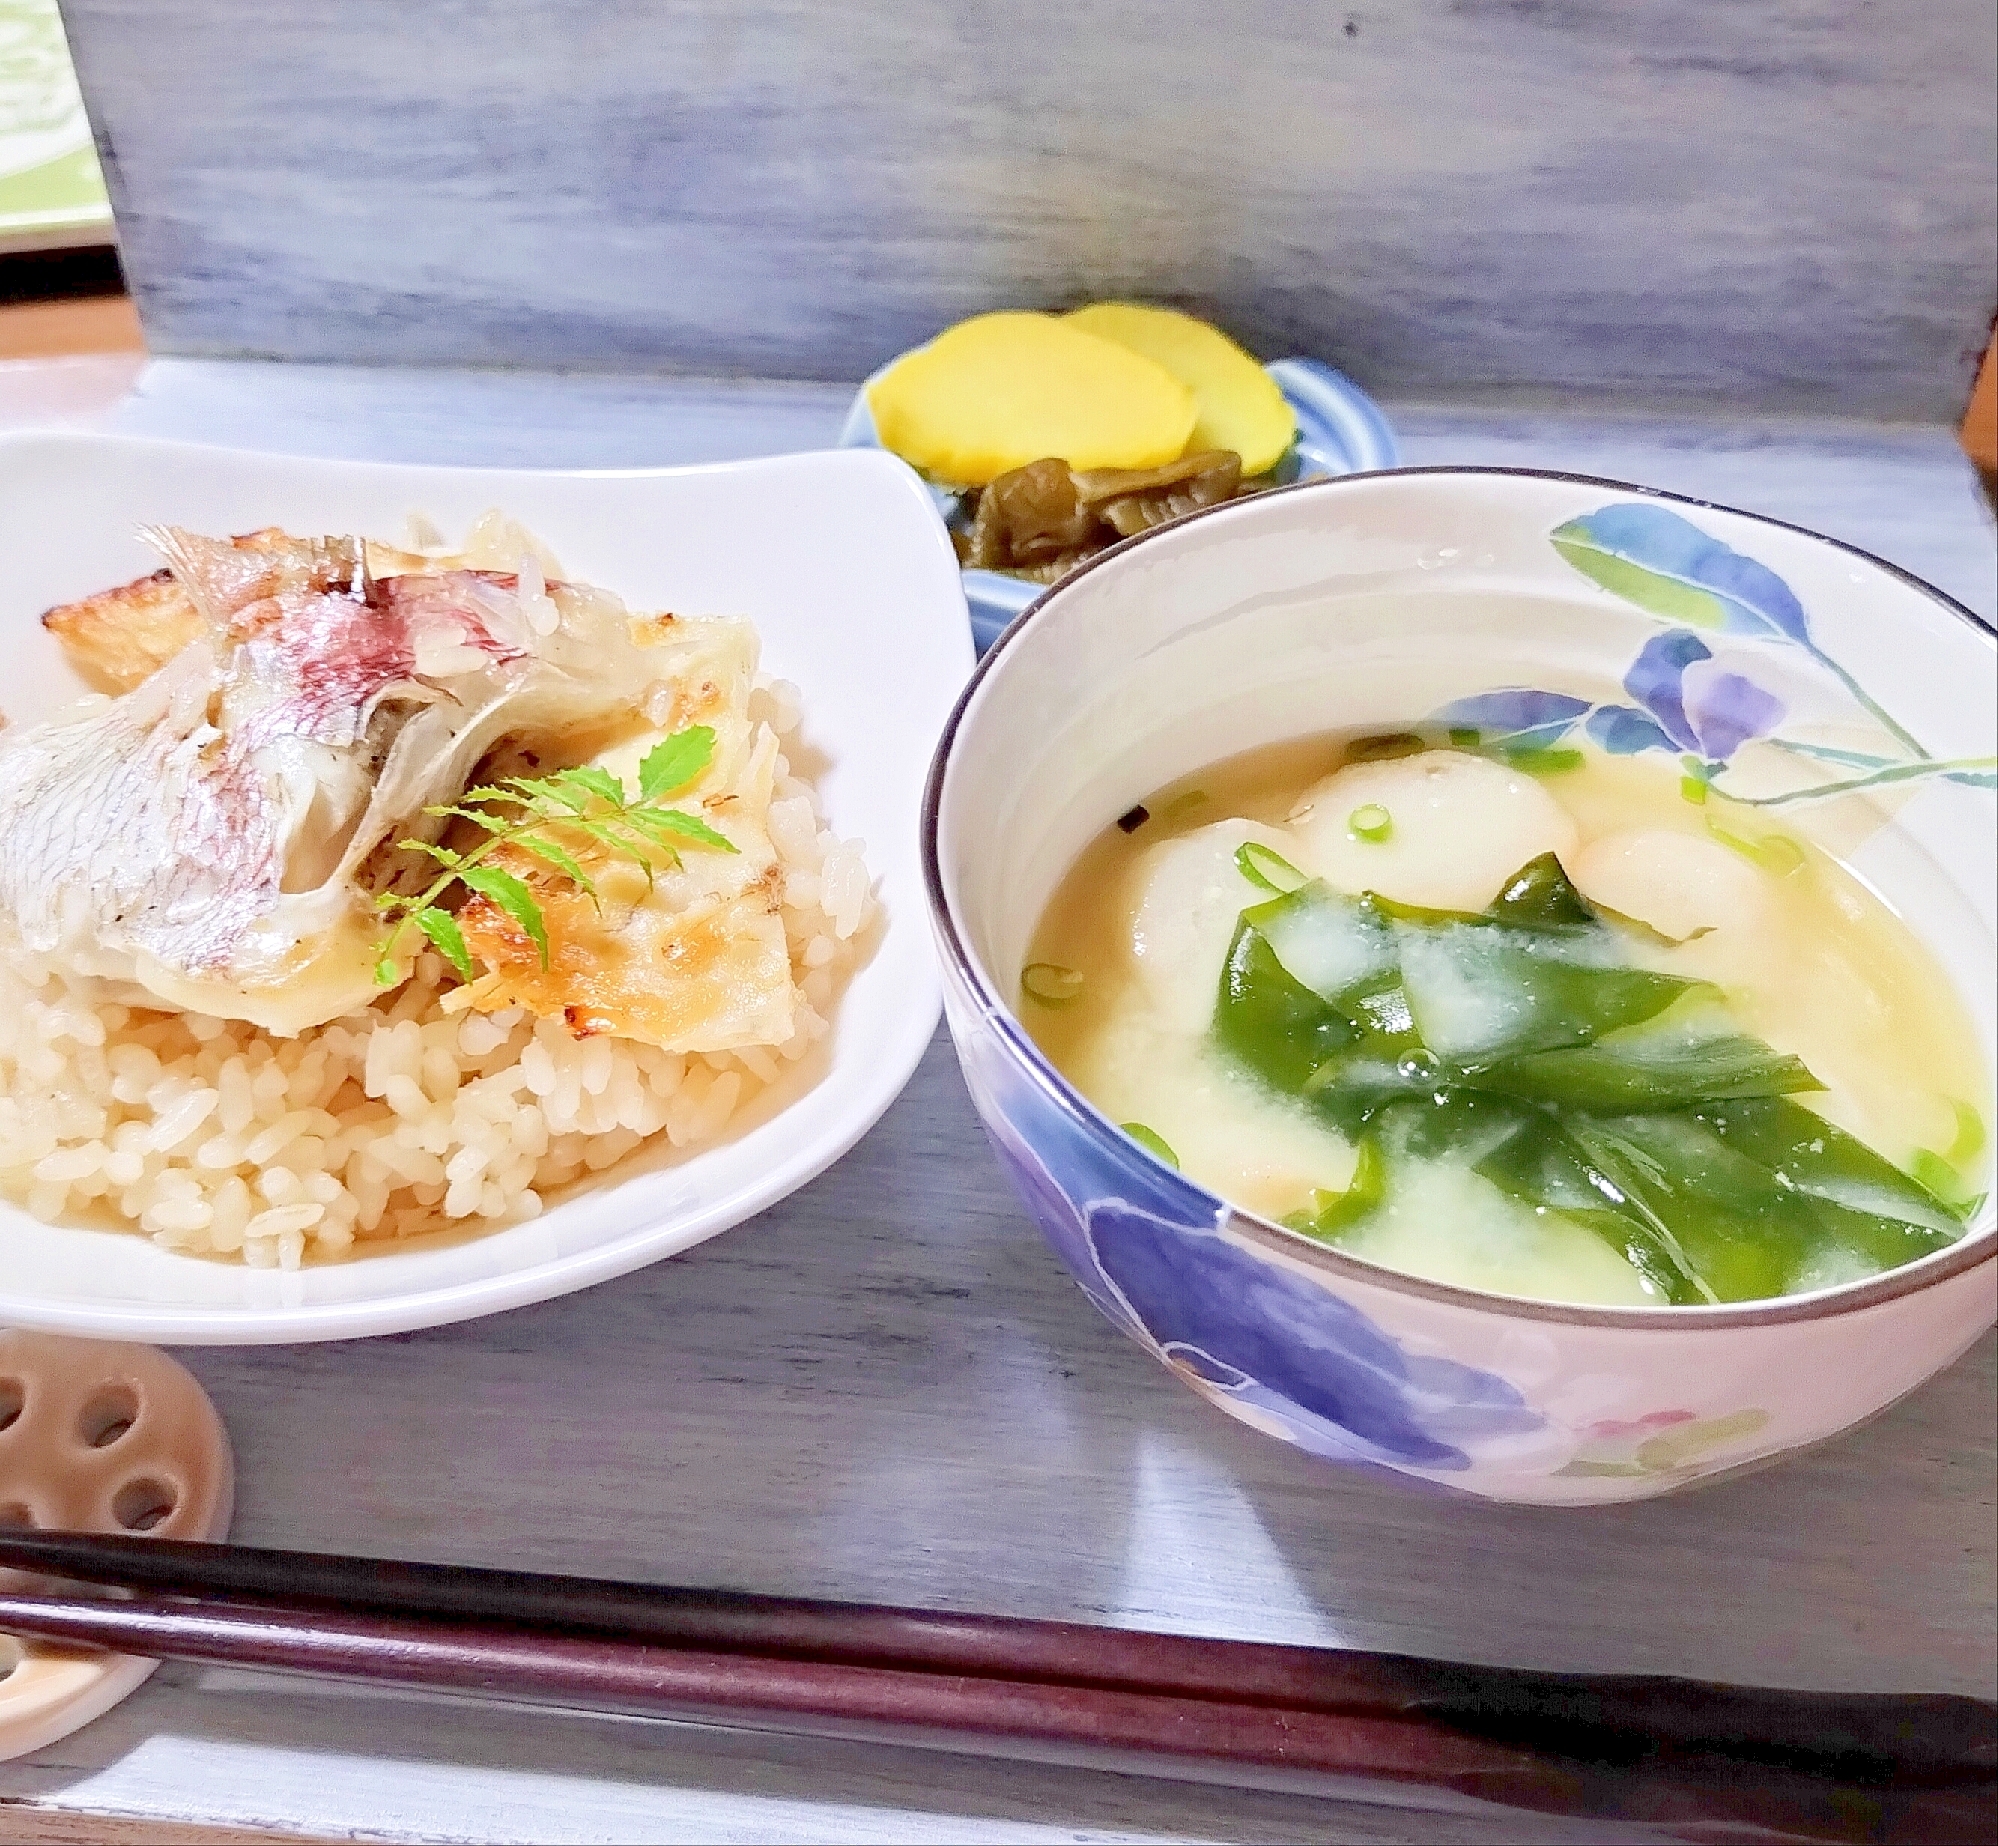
point(1972, 1251)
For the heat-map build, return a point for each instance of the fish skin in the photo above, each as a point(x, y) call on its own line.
point(149, 837)
point(119, 824)
point(226, 578)
point(211, 840)
point(120, 637)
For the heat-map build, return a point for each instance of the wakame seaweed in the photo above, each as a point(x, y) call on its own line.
point(1520, 1043)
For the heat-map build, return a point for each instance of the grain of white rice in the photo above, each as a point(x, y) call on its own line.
point(216, 1139)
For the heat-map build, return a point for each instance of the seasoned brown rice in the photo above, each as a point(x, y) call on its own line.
point(215, 1138)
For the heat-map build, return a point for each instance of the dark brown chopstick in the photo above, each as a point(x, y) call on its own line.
point(1873, 1736)
point(1803, 1766)
point(1248, 1744)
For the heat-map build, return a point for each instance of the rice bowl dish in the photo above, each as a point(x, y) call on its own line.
point(863, 575)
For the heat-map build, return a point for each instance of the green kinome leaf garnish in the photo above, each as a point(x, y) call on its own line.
point(541, 817)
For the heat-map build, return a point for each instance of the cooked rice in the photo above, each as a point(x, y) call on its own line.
point(215, 1138)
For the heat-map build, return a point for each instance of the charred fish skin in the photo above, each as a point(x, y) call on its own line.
point(120, 637)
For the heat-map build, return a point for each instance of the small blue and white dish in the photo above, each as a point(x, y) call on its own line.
point(1340, 430)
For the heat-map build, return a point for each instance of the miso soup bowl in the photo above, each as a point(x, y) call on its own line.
point(1798, 667)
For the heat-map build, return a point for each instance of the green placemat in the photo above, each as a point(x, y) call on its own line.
point(51, 191)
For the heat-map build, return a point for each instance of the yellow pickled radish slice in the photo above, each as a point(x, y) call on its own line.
point(1240, 407)
point(1002, 390)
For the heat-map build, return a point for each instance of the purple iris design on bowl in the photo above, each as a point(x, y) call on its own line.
point(1687, 702)
point(1252, 1333)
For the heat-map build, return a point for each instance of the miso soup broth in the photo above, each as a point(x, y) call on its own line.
point(1540, 1026)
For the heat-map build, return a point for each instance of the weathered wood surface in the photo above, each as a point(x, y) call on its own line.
point(886, 1387)
point(1776, 203)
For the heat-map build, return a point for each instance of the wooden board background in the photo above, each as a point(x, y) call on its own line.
point(1771, 204)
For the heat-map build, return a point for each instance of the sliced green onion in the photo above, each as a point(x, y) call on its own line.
point(1306, 1218)
point(1775, 853)
point(1935, 1174)
point(1693, 789)
point(1151, 1141)
point(1050, 983)
point(1537, 762)
point(1272, 871)
point(1372, 822)
point(1184, 804)
point(1466, 740)
point(1943, 1174)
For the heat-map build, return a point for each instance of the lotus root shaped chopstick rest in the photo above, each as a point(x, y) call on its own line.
point(97, 1437)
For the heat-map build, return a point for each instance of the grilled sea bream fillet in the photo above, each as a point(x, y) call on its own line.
point(214, 839)
point(121, 637)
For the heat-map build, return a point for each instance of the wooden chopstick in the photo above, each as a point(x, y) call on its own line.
point(1349, 1754)
point(1866, 1735)
point(1786, 1765)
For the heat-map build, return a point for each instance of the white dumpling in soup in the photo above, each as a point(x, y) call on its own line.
point(1456, 828)
point(1680, 884)
point(1186, 895)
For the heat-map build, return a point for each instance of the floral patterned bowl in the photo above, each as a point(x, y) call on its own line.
point(1777, 666)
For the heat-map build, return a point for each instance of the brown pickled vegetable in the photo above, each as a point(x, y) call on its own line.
point(1042, 520)
point(1032, 516)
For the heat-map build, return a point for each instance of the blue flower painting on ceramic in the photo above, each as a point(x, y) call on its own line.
point(1151, 1251)
point(1241, 1326)
point(1686, 701)
point(1685, 698)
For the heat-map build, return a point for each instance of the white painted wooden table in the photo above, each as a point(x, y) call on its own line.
point(885, 1388)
